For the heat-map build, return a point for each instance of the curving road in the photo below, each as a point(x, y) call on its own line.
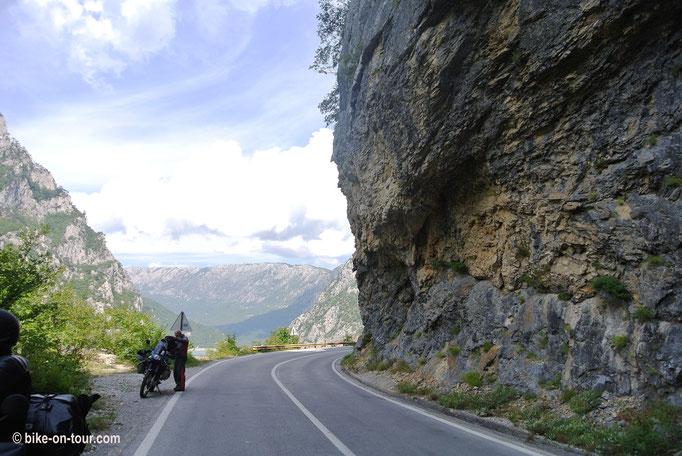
point(297, 403)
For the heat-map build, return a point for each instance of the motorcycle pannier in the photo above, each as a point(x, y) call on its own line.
point(56, 415)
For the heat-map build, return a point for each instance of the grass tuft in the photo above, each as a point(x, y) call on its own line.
point(472, 378)
point(484, 402)
point(454, 350)
point(459, 267)
point(619, 341)
point(612, 286)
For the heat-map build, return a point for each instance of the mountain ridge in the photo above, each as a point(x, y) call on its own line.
point(335, 314)
point(29, 198)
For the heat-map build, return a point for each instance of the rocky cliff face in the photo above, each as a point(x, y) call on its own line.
point(30, 197)
point(335, 314)
point(538, 143)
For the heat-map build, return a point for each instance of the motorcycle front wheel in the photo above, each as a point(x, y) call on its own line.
point(147, 384)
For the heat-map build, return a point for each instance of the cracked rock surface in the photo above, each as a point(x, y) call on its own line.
point(538, 143)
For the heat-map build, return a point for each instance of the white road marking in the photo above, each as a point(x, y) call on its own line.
point(148, 441)
point(439, 419)
point(326, 432)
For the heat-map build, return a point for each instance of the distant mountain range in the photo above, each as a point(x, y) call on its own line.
point(249, 300)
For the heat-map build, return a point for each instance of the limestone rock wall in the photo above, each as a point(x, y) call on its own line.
point(539, 143)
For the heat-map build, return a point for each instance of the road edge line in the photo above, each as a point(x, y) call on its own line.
point(321, 427)
point(434, 416)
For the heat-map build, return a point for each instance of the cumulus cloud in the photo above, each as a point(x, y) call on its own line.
point(101, 36)
point(271, 205)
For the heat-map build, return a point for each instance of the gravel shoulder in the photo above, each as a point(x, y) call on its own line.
point(131, 414)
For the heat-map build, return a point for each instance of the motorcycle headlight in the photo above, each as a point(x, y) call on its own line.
point(157, 357)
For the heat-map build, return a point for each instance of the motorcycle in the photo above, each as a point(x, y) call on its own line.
point(155, 364)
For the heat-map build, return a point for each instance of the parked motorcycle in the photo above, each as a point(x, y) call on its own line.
point(155, 364)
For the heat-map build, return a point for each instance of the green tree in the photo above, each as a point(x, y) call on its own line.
point(281, 336)
point(330, 28)
point(23, 270)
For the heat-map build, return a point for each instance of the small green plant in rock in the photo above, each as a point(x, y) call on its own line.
point(440, 355)
point(459, 267)
point(454, 350)
point(596, 265)
point(566, 349)
point(481, 401)
point(385, 364)
point(552, 384)
point(644, 313)
point(473, 379)
point(421, 361)
point(599, 165)
point(519, 348)
point(567, 395)
point(516, 56)
point(348, 361)
point(612, 286)
point(619, 341)
point(584, 401)
point(454, 330)
point(654, 261)
point(565, 296)
point(652, 371)
point(530, 395)
point(542, 343)
point(418, 334)
point(439, 265)
point(406, 388)
point(672, 181)
point(487, 346)
point(401, 366)
point(651, 141)
point(531, 356)
point(521, 251)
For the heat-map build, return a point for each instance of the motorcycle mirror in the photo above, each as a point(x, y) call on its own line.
point(147, 341)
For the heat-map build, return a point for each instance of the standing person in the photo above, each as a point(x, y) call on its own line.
point(15, 387)
point(180, 360)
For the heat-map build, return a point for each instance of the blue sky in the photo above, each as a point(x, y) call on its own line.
point(188, 131)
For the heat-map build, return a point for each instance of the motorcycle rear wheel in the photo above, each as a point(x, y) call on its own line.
point(147, 384)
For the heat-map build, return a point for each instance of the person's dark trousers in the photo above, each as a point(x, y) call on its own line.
point(179, 373)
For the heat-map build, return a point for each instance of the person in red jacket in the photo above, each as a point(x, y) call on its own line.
point(180, 360)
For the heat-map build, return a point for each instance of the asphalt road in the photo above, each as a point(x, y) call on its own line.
point(296, 403)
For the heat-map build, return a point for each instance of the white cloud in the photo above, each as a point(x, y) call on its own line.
point(218, 200)
point(252, 6)
point(101, 36)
